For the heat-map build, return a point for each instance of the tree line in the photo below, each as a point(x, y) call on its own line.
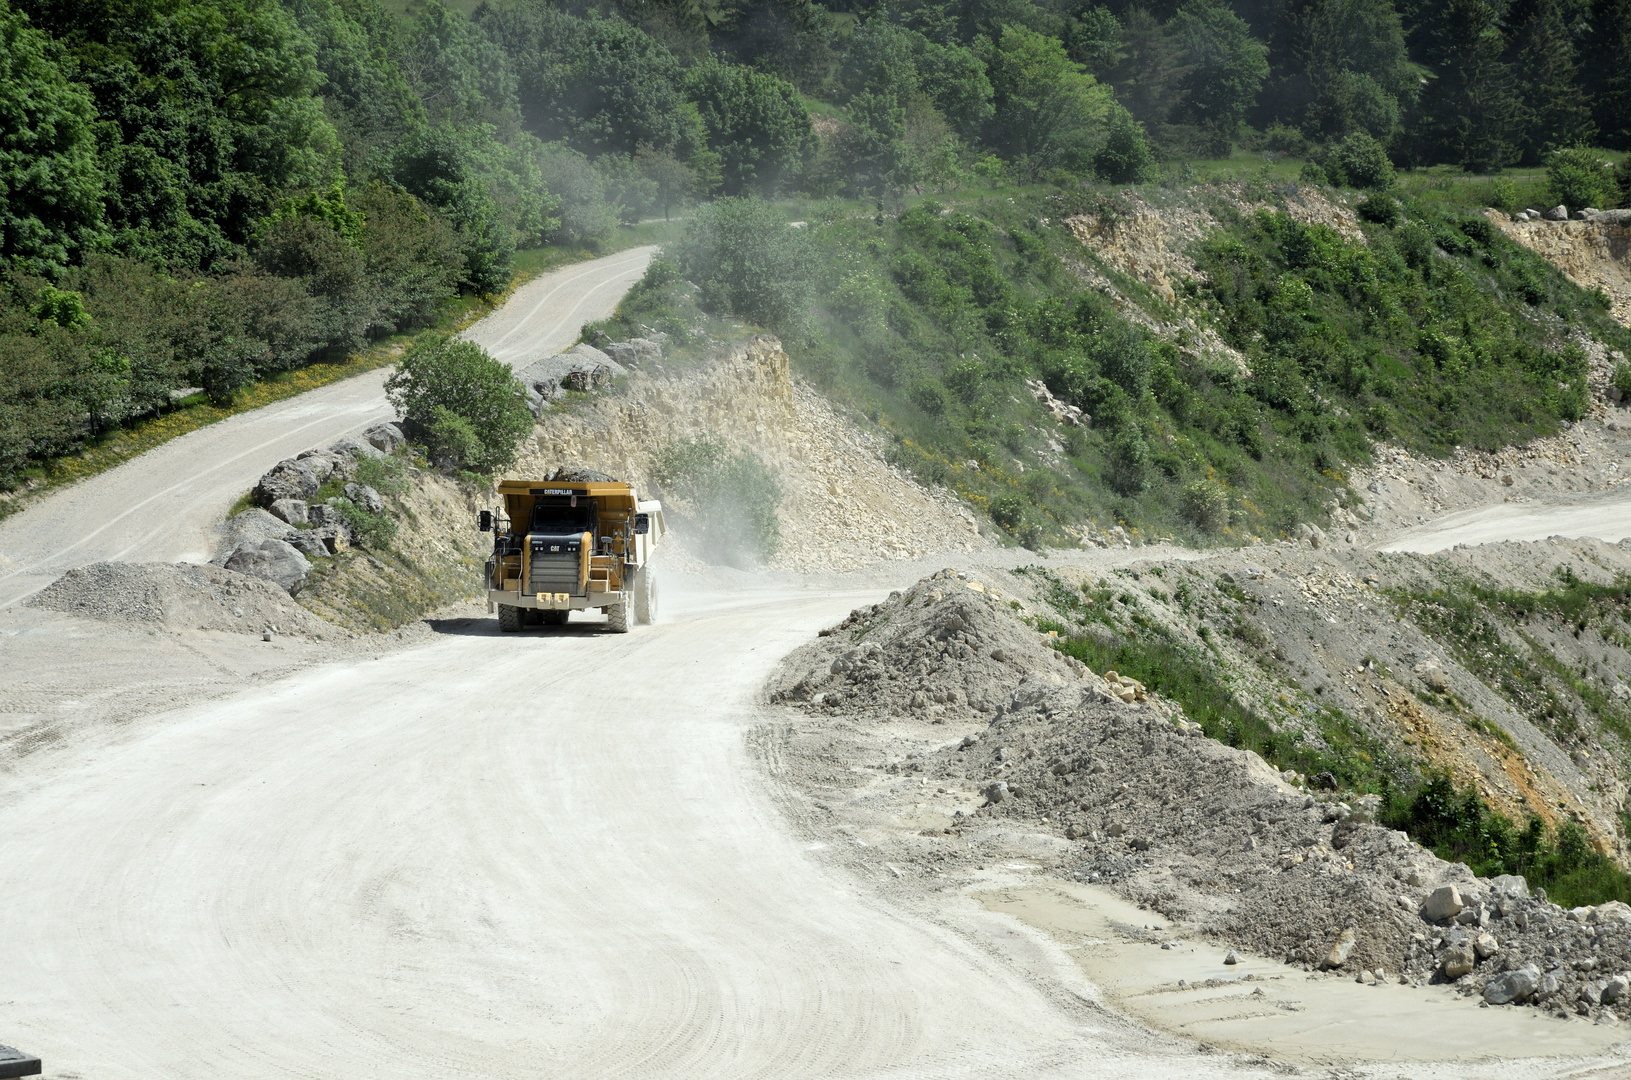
point(207, 192)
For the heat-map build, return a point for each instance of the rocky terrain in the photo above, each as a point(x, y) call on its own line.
point(938, 732)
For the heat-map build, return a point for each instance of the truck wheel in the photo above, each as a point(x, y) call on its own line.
point(509, 618)
point(617, 618)
point(553, 618)
point(645, 596)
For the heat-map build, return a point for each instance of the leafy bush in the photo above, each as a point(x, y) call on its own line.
point(746, 260)
point(1622, 380)
point(1362, 162)
point(730, 498)
point(1205, 505)
point(1379, 209)
point(1578, 178)
point(469, 409)
point(1126, 157)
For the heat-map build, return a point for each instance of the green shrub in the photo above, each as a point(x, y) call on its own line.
point(1379, 209)
point(1126, 157)
point(1578, 178)
point(467, 408)
point(1205, 505)
point(1363, 162)
point(1622, 380)
point(729, 498)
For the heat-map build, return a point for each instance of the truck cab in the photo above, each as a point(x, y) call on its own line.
point(562, 546)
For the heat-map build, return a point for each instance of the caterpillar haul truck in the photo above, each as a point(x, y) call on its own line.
point(564, 546)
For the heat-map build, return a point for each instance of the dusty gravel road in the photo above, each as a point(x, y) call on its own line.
point(163, 505)
point(540, 855)
point(1605, 516)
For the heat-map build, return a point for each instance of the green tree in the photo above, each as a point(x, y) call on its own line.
point(746, 260)
point(1343, 65)
point(1606, 70)
point(1555, 111)
point(1126, 157)
point(1468, 111)
point(208, 114)
point(461, 76)
point(50, 177)
point(755, 122)
point(469, 409)
point(1225, 66)
point(1049, 113)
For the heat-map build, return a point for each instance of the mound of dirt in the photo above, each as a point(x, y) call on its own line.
point(944, 650)
point(178, 596)
point(1211, 836)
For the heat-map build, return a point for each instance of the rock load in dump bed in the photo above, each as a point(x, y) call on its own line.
point(1211, 836)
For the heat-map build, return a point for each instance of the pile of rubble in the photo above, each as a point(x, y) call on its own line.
point(1213, 837)
point(177, 596)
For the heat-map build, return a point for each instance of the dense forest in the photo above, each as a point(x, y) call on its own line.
point(204, 193)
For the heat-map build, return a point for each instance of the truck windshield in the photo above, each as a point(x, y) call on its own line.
point(562, 520)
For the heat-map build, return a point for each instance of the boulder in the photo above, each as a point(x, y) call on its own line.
point(1586, 213)
point(1615, 911)
point(1444, 903)
point(365, 497)
point(1513, 986)
point(308, 542)
point(333, 539)
point(1612, 217)
point(323, 514)
point(1557, 213)
point(352, 447)
point(621, 352)
point(1615, 989)
point(1485, 946)
point(292, 511)
point(386, 438)
point(322, 463)
point(272, 560)
point(1432, 676)
point(1458, 961)
point(288, 479)
point(1514, 886)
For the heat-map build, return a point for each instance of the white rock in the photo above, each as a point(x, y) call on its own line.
point(1443, 903)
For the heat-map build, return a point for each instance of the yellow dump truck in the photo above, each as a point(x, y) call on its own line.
point(564, 546)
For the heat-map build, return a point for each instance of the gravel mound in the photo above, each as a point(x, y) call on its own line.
point(1212, 837)
point(178, 596)
point(945, 649)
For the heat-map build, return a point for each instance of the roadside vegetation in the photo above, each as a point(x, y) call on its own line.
point(1103, 627)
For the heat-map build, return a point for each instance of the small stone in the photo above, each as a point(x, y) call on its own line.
point(996, 791)
point(1513, 986)
point(1485, 946)
point(1116, 828)
point(1231, 958)
point(266, 635)
point(1341, 950)
point(1458, 961)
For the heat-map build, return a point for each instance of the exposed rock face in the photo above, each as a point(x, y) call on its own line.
point(842, 505)
point(1594, 254)
point(581, 368)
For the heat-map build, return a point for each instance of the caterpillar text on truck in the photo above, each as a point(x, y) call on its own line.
point(560, 547)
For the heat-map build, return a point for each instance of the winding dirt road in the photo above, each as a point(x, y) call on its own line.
point(163, 506)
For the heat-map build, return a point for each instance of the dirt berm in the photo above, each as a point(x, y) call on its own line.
point(1030, 753)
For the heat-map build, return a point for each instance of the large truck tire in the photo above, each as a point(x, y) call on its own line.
point(645, 596)
point(617, 618)
point(553, 618)
point(509, 618)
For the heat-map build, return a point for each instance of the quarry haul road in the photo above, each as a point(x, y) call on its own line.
point(163, 505)
point(546, 854)
point(1603, 516)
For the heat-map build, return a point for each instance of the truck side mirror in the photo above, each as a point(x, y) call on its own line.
point(485, 521)
point(642, 524)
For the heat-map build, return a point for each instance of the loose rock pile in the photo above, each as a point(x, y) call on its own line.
point(1211, 836)
point(178, 596)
